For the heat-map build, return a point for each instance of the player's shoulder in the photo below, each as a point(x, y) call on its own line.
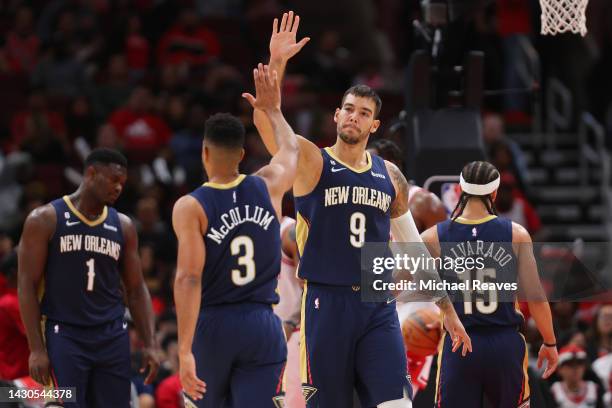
point(43, 214)
point(187, 209)
point(520, 233)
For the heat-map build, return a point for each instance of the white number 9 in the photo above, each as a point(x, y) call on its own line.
point(358, 229)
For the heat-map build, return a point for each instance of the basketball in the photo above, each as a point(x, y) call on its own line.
point(418, 338)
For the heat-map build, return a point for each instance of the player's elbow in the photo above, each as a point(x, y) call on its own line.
point(187, 278)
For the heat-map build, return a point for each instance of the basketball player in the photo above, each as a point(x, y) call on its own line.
point(344, 198)
point(497, 369)
point(229, 255)
point(80, 251)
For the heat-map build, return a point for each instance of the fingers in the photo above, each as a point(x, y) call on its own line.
point(296, 24)
point(552, 366)
point(303, 42)
point(194, 387)
point(250, 98)
point(153, 367)
point(283, 25)
point(275, 26)
point(540, 359)
point(290, 21)
point(456, 343)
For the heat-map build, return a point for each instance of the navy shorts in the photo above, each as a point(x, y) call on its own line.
point(240, 351)
point(348, 344)
point(496, 371)
point(94, 360)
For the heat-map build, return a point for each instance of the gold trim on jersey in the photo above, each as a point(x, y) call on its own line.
point(226, 186)
point(440, 350)
point(303, 352)
point(85, 220)
point(526, 392)
point(462, 220)
point(301, 232)
point(362, 170)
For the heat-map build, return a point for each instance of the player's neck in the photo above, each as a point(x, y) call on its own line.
point(86, 204)
point(475, 210)
point(353, 155)
point(223, 176)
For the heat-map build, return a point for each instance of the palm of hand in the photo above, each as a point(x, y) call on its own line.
point(283, 45)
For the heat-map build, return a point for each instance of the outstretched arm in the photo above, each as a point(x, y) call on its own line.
point(32, 256)
point(139, 300)
point(189, 222)
point(280, 173)
point(283, 46)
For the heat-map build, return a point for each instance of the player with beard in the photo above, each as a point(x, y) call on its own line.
point(344, 198)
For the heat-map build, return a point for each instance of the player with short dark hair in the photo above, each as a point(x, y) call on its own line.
point(344, 198)
point(228, 264)
point(79, 251)
point(497, 369)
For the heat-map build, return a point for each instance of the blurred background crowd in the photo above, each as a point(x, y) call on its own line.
point(142, 76)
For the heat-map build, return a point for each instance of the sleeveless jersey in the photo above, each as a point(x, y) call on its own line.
point(243, 248)
point(488, 242)
point(346, 209)
point(82, 282)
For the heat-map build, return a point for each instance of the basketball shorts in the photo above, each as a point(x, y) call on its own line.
point(348, 344)
point(94, 360)
point(496, 371)
point(240, 352)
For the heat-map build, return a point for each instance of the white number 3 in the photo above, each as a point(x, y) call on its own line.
point(238, 277)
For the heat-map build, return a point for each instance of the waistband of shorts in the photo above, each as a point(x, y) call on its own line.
point(334, 288)
point(492, 328)
point(93, 328)
point(237, 306)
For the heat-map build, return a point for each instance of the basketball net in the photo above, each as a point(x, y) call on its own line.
point(559, 16)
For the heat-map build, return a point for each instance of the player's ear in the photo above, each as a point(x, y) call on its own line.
point(375, 126)
point(494, 196)
point(336, 113)
point(205, 153)
point(242, 152)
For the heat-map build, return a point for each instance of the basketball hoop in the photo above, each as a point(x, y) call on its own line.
point(559, 16)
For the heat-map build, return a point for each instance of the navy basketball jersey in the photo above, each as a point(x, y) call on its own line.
point(347, 208)
point(488, 242)
point(243, 248)
point(82, 281)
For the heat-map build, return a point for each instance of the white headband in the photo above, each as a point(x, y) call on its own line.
point(478, 189)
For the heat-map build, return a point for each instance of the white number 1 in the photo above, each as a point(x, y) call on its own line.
point(90, 274)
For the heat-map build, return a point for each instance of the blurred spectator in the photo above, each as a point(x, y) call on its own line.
point(141, 132)
point(186, 146)
point(599, 337)
point(115, 87)
point(40, 131)
point(14, 350)
point(603, 368)
point(387, 150)
point(493, 132)
point(564, 320)
point(514, 26)
point(573, 391)
point(169, 393)
point(330, 65)
point(15, 170)
point(188, 42)
point(80, 120)
point(137, 48)
point(22, 44)
point(512, 205)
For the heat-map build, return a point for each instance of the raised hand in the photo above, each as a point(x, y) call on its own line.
point(283, 44)
point(267, 89)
